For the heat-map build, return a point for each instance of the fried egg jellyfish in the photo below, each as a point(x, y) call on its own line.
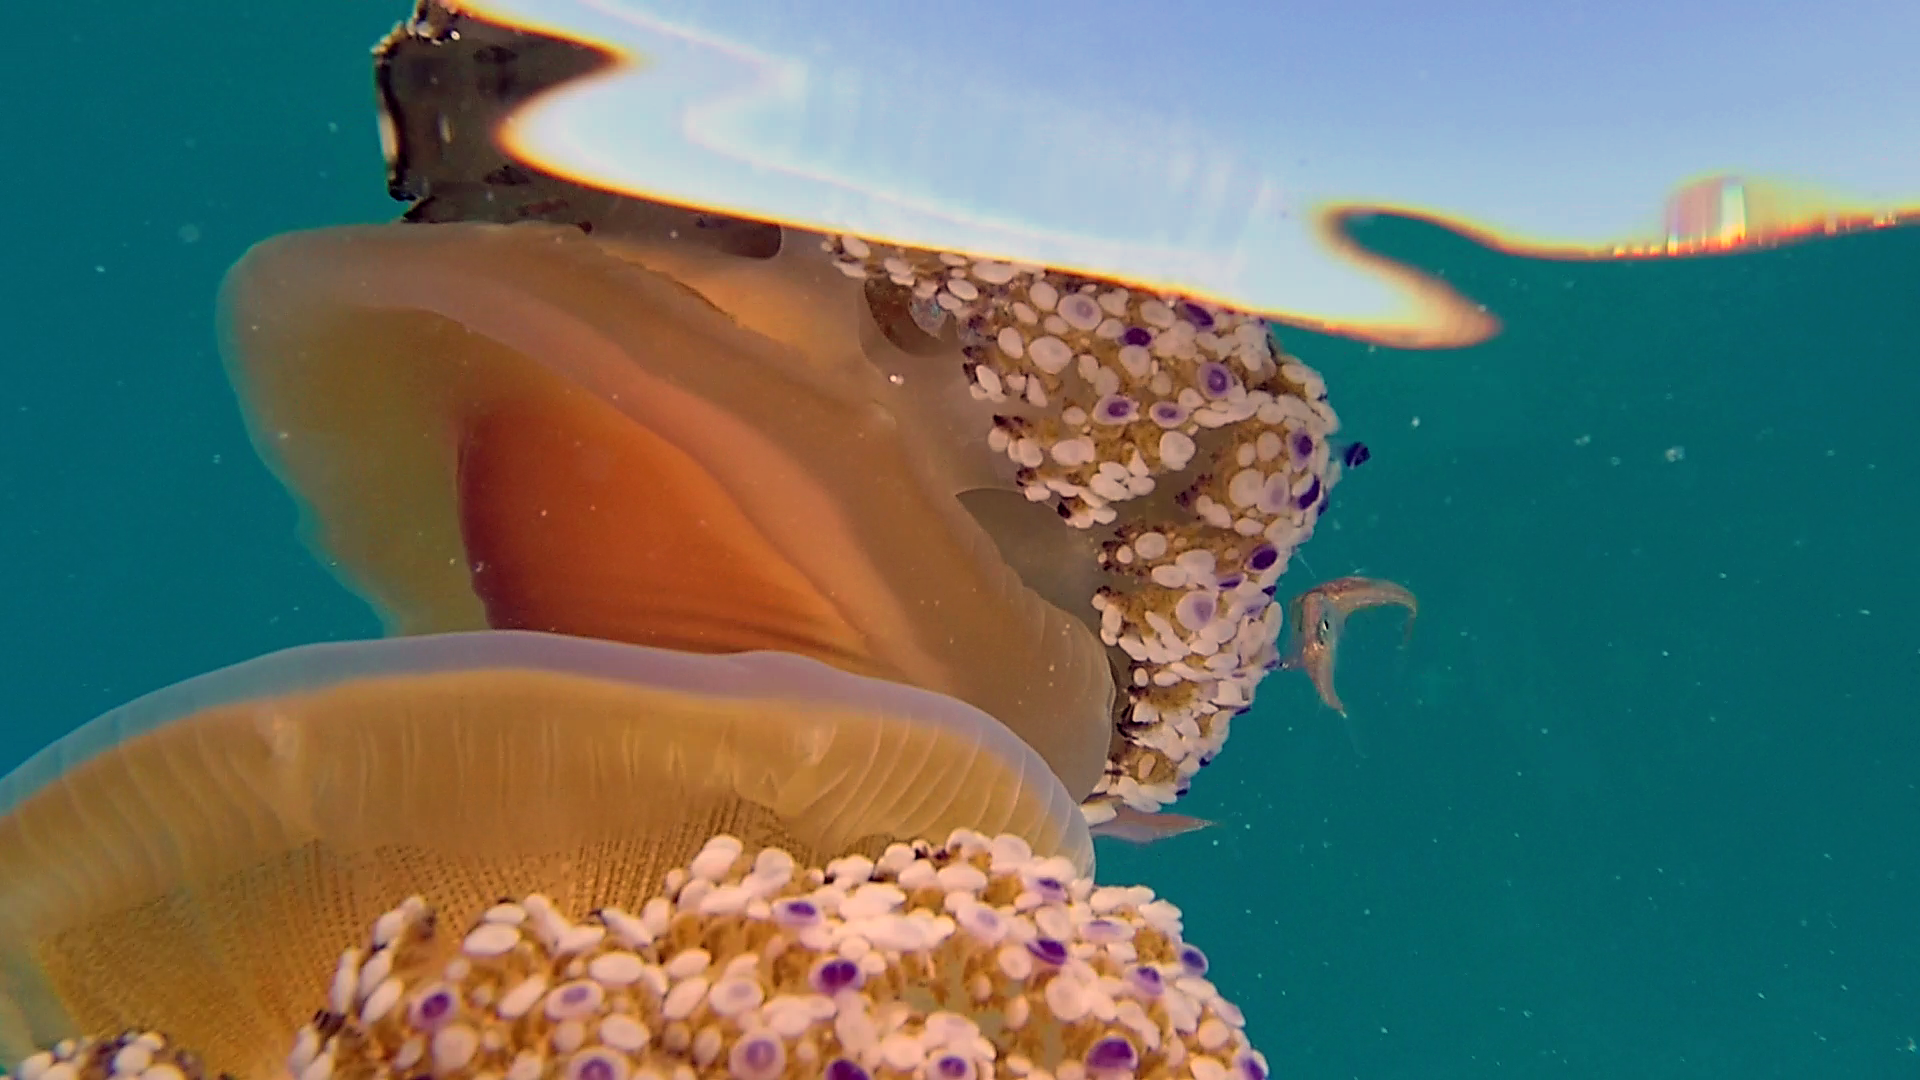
point(201, 854)
point(784, 474)
point(532, 405)
point(612, 861)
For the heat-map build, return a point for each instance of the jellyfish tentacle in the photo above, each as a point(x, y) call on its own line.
point(1178, 427)
point(129, 1055)
point(960, 961)
point(965, 960)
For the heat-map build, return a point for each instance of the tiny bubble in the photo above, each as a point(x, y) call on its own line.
point(99, 269)
point(1416, 422)
point(1613, 461)
point(1676, 453)
point(1583, 440)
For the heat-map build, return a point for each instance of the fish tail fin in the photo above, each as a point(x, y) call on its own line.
point(1353, 734)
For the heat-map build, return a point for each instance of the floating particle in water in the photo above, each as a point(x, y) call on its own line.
point(1676, 453)
point(1583, 440)
point(189, 233)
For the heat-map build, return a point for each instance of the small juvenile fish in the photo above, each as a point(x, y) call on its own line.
point(1319, 614)
point(1136, 827)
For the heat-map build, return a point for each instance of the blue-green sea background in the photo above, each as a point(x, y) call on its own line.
point(1639, 798)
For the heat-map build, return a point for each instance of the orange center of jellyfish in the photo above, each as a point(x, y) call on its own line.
point(576, 519)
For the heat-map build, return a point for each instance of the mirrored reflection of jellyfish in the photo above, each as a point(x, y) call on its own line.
point(526, 856)
point(1229, 173)
point(1063, 500)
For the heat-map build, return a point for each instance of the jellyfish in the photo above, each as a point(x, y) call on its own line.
point(212, 842)
point(1060, 498)
point(523, 855)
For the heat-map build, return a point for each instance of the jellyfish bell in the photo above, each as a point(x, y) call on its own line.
point(512, 427)
point(196, 861)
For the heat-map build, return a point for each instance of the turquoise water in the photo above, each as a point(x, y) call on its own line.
point(1636, 801)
